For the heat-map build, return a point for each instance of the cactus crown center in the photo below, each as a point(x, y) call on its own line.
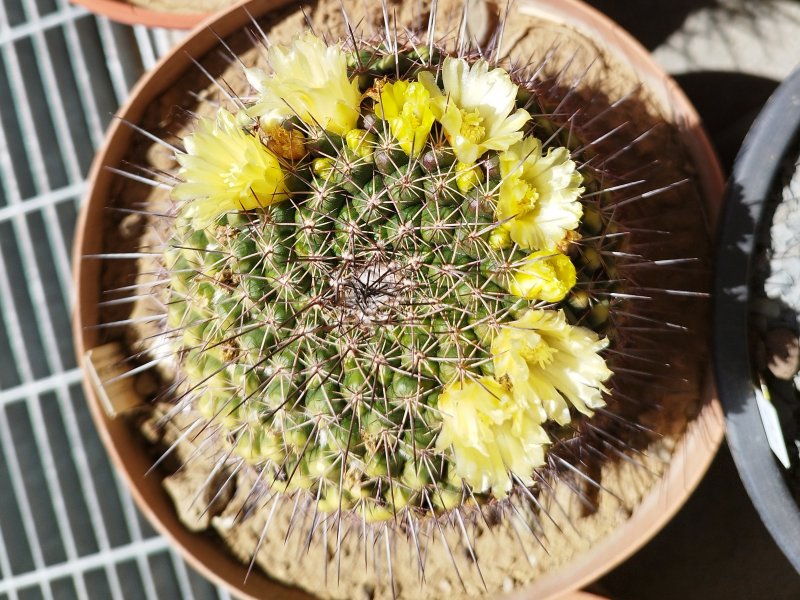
point(370, 293)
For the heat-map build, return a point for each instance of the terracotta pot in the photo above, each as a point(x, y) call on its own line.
point(130, 14)
point(691, 457)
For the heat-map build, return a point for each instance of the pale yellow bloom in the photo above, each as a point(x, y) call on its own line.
point(545, 275)
point(226, 168)
point(491, 435)
point(476, 107)
point(551, 363)
point(309, 80)
point(406, 105)
point(539, 194)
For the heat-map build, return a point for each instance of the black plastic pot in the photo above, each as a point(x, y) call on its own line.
point(755, 177)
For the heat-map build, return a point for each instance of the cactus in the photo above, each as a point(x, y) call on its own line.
point(391, 272)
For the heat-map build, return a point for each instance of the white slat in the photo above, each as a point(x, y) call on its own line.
point(55, 163)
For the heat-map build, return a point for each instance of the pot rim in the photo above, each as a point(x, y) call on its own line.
point(130, 14)
point(755, 171)
point(694, 451)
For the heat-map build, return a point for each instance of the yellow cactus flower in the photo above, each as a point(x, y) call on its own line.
point(545, 275)
point(552, 364)
point(309, 80)
point(539, 194)
point(226, 168)
point(476, 107)
point(406, 105)
point(491, 435)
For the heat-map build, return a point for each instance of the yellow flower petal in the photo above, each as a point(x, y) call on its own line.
point(476, 107)
point(539, 194)
point(226, 168)
point(491, 435)
point(545, 275)
point(407, 107)
point(309, 80)
point(550, 363)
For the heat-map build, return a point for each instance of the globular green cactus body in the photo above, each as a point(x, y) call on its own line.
point(320, 331)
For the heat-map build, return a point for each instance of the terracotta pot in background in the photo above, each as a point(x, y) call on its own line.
point(692, 455)
point(130, 14)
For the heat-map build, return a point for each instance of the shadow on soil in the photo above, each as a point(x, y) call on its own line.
point(716, 546)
